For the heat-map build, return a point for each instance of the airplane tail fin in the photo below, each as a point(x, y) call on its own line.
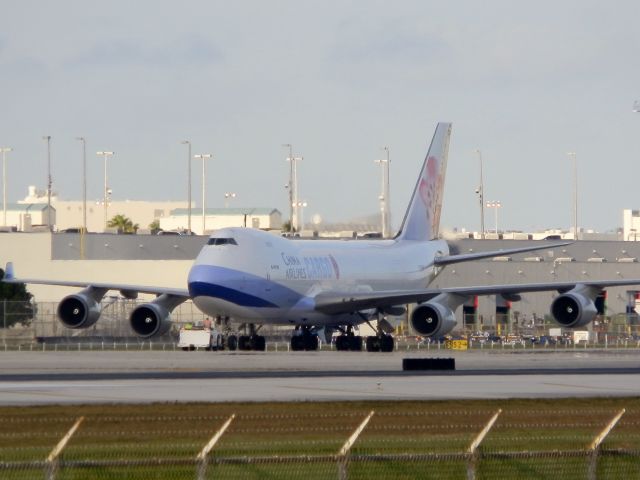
point(8, 272)
point(422, 219)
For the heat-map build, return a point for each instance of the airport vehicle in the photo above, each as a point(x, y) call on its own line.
point(323, 287)
point(194, 337)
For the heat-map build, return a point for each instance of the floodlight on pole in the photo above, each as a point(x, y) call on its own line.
point(495, 204)
point(204, 157)
point(227, 197)
point(187, 142)
point(300, 206)
point(106, 191)
point(4, 151)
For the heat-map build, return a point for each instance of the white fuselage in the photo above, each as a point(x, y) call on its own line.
point(257, 277)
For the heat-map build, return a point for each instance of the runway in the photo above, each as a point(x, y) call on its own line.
point(38, 378)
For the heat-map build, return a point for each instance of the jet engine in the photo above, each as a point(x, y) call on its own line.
point(432, 319)
point(150, 319)
point(80, 310)
point(153, 318)
point(575, 308)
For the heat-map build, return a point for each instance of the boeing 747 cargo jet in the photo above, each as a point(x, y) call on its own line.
point(252, 278)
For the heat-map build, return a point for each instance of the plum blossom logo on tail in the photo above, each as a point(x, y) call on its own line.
point(428, 189)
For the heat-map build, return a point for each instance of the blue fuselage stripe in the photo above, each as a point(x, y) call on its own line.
point(241, 288)
point(204, 289)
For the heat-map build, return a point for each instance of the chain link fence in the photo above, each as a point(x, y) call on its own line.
point(313, 441)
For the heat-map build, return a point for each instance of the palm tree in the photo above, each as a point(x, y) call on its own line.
point(123, 224)
point(154, 226)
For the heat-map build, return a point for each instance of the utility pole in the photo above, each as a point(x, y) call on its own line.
point(187, 142)
point(49, 181)
point(84, 183)
point(480, 192)
point(384, 195)
point(572, 156)
point(4, 151)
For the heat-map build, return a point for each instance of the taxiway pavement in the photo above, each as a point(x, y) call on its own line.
point(150, 376)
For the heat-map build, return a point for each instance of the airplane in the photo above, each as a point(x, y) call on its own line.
point(322, 287)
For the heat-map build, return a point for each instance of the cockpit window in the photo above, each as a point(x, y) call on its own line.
point(222, 241)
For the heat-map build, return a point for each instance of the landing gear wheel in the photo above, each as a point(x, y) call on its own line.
point(342, 343)
point(217, 343)
point(386, 343)
point(306, 342)
point(373, 344)
point(244, 342)
point(232, 342)
point(297, 343)
point(258, 343)
point(355, 343)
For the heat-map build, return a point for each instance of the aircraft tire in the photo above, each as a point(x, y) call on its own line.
point(297, 343)
point(387, 343)
point(342, 343)
point(258, 343)
point(373, 344)
point(244, 342)
point(355, 343)
point(311, 343)
point(232, 342)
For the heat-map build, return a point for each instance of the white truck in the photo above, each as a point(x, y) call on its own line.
point(193, 338)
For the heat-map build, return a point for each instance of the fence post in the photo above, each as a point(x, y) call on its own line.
point(343, 454)
point(202, 456)
point(594, 448)
point(473, 448)
point(52, 459)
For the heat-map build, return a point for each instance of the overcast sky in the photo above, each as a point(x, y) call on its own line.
point(524, 83)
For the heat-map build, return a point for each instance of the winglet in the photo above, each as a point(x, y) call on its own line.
point(8, 272)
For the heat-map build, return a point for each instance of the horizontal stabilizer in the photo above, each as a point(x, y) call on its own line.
point(468, 257)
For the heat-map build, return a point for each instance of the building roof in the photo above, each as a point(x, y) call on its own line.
point(28, 207)
point(178, 212)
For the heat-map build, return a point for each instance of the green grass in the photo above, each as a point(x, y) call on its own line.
point(175, 433)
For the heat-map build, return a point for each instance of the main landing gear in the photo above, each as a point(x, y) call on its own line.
point(348, 341)
point(380, 343)
point(305, 340)
point(245, 342)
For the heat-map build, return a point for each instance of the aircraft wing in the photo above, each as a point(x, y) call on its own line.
point(468, 257)
point(128, 291)
point(335, 302)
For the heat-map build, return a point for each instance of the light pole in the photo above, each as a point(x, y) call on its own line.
point(384, 195)
point(300, 206)
point(227, 197)
point(49, 181)
point(292, 186)
point(84, 183)
point(203, 157)
point(480, 192)
point(105, 155)
point(572, 156)
point(4, 151)
point(495, 205)
point(187, 142)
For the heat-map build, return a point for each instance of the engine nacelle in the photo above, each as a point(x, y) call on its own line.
point(432, 319)
point(573, 309)
point(150, 319)
point(79, 310)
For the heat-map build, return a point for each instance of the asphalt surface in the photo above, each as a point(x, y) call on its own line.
point(30, 378)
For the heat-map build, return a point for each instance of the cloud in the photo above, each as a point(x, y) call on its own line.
point(188, 50)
